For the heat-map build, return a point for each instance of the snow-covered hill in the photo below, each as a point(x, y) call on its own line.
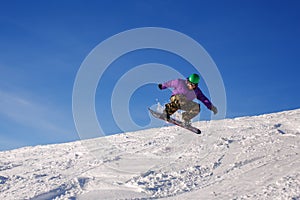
point(243, 158)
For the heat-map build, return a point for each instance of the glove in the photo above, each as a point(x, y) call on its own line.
point(160, 86)
point(214, 109)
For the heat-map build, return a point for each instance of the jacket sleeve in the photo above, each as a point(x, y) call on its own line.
point(201, 97)
point(170, 84)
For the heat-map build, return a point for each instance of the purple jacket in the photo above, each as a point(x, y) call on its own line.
point(180, 87)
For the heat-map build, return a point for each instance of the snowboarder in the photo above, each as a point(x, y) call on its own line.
point(184, 92)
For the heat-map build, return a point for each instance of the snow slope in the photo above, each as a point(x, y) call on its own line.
point(243, 158)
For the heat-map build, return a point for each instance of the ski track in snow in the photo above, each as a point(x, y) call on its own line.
point(243, 158)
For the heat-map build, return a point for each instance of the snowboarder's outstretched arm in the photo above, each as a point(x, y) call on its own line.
point(201, 97)
point(169, 84)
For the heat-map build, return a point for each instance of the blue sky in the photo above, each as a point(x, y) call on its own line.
point(255, 45)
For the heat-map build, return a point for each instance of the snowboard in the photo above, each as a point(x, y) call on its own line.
point(174, 121)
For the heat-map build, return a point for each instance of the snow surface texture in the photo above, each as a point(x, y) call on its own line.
point(243, 158)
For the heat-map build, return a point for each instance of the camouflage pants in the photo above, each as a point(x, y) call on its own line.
point(179, 102)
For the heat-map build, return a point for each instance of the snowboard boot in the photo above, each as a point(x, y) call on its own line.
point(187, 123)
point(166, 115)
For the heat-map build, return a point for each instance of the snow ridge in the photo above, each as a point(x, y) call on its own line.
point(244, 158)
